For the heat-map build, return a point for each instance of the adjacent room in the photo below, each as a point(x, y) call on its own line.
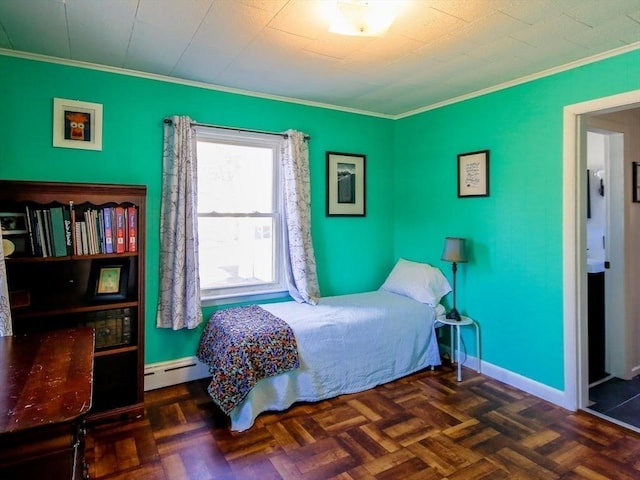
point(419, 217)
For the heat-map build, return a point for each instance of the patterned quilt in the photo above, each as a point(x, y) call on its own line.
point(241, 346)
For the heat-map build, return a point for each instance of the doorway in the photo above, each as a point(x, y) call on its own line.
point(598, 162)
point(605, 229)
point(625, 357)
point(610, 392)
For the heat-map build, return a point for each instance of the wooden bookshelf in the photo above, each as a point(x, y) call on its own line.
point(51, 290)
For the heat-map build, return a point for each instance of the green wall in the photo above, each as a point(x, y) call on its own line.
point(353, 254)
point(512, 284)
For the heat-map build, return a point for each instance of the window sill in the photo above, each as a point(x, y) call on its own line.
point(243, 298)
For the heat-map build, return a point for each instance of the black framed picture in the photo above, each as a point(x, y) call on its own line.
point(108, 280)
point(346, 184)
point(473, 174)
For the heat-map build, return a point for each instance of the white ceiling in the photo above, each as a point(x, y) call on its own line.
point(435, 50)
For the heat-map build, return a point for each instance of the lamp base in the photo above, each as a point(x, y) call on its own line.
point(453, 315)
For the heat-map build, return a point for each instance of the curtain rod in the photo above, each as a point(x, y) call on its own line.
point(283, 135)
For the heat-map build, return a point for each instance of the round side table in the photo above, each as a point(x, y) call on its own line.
point(455, 339)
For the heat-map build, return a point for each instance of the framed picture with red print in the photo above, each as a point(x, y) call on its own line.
point(77, 124)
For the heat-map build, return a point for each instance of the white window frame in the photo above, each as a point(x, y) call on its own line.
point(277, 288)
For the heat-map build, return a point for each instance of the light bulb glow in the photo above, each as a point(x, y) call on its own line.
point(364, 18)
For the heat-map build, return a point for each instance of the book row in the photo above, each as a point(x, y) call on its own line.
point(60, 231)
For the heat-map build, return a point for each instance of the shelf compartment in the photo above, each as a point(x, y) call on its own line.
point(57, 288)
point(115, 381)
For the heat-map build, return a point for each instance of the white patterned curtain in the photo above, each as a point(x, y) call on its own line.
point(300, 258)
point(179, 299)
point(6, 328)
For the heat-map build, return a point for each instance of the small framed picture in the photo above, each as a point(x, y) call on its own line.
point(635, 183)
point(346, 194)
point(473, 174)
point(13, 223)
point(15, 234)
point(108, 280)
point(77, 124)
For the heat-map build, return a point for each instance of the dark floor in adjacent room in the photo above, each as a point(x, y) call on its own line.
point(619, 399)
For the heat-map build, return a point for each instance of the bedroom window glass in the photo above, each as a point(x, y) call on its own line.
point(239, 220)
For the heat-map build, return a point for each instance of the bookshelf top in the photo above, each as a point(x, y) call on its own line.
point(49, 192)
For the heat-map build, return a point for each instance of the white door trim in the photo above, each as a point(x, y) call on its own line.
point(574, 242)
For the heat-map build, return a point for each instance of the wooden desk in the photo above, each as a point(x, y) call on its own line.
point(47, 382)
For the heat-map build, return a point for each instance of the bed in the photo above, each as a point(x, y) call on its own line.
point(344, 344)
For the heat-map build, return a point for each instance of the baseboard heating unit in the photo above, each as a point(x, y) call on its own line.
point(174, 372)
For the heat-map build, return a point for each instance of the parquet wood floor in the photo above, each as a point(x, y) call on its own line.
point(425, 426)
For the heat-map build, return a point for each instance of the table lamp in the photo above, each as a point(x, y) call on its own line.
point(455, 252)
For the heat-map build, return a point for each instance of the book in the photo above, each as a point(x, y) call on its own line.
point(120, 228)
point(112, 327)
point(88, 219)
point(48, 237)
point(132, 221)
point(84, 237)
point(100, 230)
point(58, 236)
point(35, 226)
point(30, 225)
point(68, 232)
point(85, 225)
point(78, 237)
point(94, 232)
point(41, 233)
point(126, 326)
point(108, 232)
point(74, 237)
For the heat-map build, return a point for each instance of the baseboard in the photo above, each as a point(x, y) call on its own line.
point(164, 374)
point(520, 382)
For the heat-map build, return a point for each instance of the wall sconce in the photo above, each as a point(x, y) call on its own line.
point(365, 18)
point(455, 252)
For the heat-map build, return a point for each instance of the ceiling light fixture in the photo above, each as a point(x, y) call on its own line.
point(364, 18)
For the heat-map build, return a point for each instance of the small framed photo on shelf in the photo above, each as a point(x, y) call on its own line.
point(635, 183)
point(346, 194)
point(77, 124)
point(15, 234)
point(13, 223)
point(108, 280)
point(473, 174)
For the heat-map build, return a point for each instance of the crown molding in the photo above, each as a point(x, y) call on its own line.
point(180, 81)
point(519, 81)
point(219, 88)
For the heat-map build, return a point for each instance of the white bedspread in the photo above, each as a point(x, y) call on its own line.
point(346, 344)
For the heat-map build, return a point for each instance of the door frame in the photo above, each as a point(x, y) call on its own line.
point(574, 241)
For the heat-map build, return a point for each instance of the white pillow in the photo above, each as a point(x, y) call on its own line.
point(419, 281)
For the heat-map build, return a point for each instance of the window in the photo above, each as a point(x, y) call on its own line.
point(239, 220)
